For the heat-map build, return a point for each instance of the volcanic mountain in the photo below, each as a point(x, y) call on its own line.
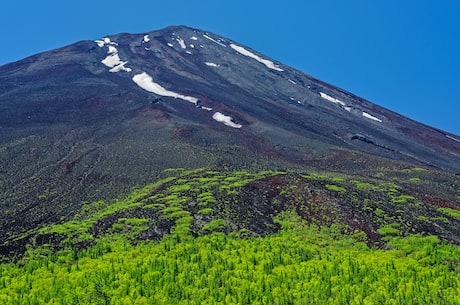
point(92, 120)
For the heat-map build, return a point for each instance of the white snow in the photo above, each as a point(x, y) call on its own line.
point(213, 40)
point(146, 39)
point(334, 100)
point(247, 53)
point(192, 45)
point(181, 43)
point(292, 82)
point(113, 61)
point(146, 82)
point(188, 52)
point(452, 138)
point(369, 116)
point(194, 38)
point(100, 43)
point(331, 99)
point(120, 67)
point(294, 99)
point(170, 44)
point(225, 119)
point(112, 50)
point(211, 64)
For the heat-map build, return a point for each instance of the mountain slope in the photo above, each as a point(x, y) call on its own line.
point(92, 120)
point(247, 238)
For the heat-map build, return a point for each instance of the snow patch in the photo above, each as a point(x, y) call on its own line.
point(194, 38)
point(146, 39)
point(170, 44)
point(192, 45)
point(113, 61)
point(295, 100)
point(112, 50)
point(181, 43)
point(102, 42)
point(188, 52)
point(247, 53)
point(369, 116)
point(452, 138)
point(225, 119)
point(292, 82)
point(121, 67)
point(213, 40)
point(331, 99)
point(334, 100)
point(108, 41)
point(211, 64)
point(146, 82)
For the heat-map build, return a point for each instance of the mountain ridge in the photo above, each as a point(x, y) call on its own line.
point(339, 93)
point(94, 119)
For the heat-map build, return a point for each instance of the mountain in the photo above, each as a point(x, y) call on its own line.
point(91, 121)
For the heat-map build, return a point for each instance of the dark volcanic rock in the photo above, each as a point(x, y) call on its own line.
point(93, 119)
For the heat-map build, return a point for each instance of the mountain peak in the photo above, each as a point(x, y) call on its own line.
point(91, 120)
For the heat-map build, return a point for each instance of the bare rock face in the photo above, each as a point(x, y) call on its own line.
point(92, 120)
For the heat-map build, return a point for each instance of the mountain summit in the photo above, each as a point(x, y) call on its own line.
point(94, 119)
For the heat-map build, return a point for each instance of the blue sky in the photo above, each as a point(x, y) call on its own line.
point(403, 55)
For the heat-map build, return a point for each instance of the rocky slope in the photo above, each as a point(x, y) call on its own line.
point(92, 120)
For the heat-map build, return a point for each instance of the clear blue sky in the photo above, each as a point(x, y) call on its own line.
point(403, 55)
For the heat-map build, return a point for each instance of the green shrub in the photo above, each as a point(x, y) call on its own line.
point(214, 225)
point(335, 188)
point(451, 212)
point(389, 230)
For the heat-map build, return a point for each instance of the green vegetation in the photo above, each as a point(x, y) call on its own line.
point(402, 199)
point(214, 225)
point(451, 212)
point(391, 230)
point(302, 264)
point(335, 188)
point(223, 237)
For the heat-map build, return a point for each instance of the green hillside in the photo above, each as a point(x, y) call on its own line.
point(272, 237)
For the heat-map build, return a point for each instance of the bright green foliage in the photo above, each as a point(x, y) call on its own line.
point(402, 199)
point(364, 185)
point(318, 260)
point(301, 264)
point(391, 230)
point(335, 188)
point(169, 196)
point(450, 212)
point(214, 225)
point(440, 218)
point(205, 211)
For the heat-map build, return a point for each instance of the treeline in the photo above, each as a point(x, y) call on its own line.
point(302, 264)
